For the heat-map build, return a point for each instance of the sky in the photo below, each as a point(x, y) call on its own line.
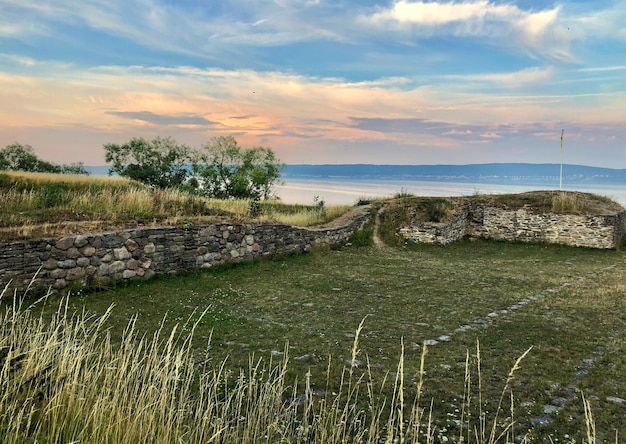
point(320, 81)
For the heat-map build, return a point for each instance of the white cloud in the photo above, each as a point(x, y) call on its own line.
point(433, 13)
point(537, 32)
point(456, 132)
point(600, 23)
point(604, 69)
point(17, 63)
point(10, 29)
point(515, 79)
point(19, 60)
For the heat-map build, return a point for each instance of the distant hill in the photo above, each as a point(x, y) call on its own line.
point(510, 173)
point(488, 173)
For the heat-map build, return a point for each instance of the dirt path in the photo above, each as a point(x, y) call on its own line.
point(378, 242)
point(343, 219)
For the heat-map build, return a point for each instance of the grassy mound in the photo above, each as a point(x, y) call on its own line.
point(560, 202)
point(36, 204)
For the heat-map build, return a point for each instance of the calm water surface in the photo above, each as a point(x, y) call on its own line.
point(348, 191)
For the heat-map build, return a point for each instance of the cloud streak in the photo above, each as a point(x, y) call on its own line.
point(163, 120)
point(539, 33)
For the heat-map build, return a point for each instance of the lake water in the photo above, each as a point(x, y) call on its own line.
point(348, 191)
point(335, 191)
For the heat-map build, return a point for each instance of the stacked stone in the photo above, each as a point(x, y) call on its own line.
point(441, 233)
point(568, 229)
point(93, 260)
point(521, 225)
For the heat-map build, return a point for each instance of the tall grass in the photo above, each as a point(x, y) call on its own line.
point(576, 203)
point(49, 204)
point(66, 379)
point(25, 180)
point(306, 216)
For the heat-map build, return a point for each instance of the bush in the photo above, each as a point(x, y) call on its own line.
point(403, 194)
point(18, 157)
point(438, 209)
point(363, 237)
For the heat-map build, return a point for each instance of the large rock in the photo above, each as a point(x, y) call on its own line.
point(121, 254)
point(64, 243)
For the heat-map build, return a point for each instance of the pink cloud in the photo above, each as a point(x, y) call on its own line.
point(490, 136)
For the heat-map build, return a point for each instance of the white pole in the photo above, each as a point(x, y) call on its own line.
point(561, 175)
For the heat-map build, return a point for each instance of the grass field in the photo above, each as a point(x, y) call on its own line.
point(565, 303)
point(327, 346)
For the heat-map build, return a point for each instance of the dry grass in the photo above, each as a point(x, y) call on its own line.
point(573, 203)
point(37, 205)
point(309, 216)
point(28, 180)
point(67, 380)
point(568, 202)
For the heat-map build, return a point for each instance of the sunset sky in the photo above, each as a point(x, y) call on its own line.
point(320, 81)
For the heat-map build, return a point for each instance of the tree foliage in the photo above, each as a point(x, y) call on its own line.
point(161, 162)
point(220, 169)
point(18, 157)
point(228, 171)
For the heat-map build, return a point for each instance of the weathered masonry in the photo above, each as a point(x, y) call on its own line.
point(521, 225)
point(141, 253)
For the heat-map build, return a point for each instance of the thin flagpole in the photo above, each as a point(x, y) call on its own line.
point(561, 175)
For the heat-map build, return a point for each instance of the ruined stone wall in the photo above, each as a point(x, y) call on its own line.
point(96, 259)
point(478, 220)
point(439, 233)
point(569, 229)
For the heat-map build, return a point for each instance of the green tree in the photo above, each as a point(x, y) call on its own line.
point(227, 171)
point(161, 162)
point(73, 168)
point(18, 157)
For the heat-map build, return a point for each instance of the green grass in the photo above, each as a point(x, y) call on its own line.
point(314, 302)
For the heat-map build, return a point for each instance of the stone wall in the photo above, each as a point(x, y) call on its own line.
point(521, 225)
point(439, 233)
point(96, 259)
